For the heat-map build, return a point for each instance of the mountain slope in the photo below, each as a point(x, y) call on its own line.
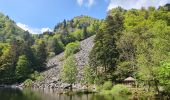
point(52, 76)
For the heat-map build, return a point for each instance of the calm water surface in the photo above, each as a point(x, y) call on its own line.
point(27, 94)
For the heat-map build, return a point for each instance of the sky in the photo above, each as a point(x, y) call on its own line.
point(38, 16)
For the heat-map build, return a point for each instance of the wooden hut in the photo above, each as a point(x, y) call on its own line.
point(129, 81)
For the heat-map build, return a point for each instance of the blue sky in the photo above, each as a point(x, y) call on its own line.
point(40, 15)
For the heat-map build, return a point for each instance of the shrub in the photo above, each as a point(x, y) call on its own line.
point(36, 76)
point(78, 34)
point(51, 54)
point(61, 59)
point(71, 48)
point(98, 80)
point(120, 89)
point(28, 83)
point(107, 85)
point(99, 87)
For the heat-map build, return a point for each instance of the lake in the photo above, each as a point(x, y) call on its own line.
point(27, 94)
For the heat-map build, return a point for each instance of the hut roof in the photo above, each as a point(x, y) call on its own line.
point(129, 79)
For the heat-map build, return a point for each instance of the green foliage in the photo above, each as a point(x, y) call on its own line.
point(163, 75)
point(71, 48)
point(78, 28)
point(36, 76)
point(41, 55)
point(88, 75)
point(104, 53)
point(77, 34)
point(15, 42)
point(99, 87)
point(7, 70)
point(120, 89)
point(28, 83)
point(107, 85)
point(54, 46)
point(3, 47)
point(136, 41)
point(8, 29)
point(124, 70)
point(51, 54)
point(128, 43)
point(69, 70)
point(23, 68)
point(99, 79)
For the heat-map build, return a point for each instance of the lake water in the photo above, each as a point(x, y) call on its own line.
point(27, 94)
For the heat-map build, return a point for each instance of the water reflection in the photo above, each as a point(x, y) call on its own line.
point(17, 94)
point(26, 94)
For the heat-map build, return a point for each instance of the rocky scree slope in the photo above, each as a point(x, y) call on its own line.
point(52, 74)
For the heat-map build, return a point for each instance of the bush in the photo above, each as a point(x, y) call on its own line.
point(99, 87)
point(78, 34)
point(98, 80)
point(36, 76)
point(61, 59)
point(72, 48)
point(120, 89)
point(28, 83)
point(107, 85)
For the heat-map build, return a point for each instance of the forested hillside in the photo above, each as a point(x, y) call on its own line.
point(9, 30)
point(23, 55)
point(133, 42)
point(20, 54)
point(76, 29)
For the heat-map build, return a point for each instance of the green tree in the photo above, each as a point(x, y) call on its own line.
point(23, 68)
point(104, 53)
point(40, 55)
point(54, 46)
point(85, 34)
point(153, 48)
point(15, 50)
point(7, 70)
point(71, 48)
point(163, 75)
point(88, 75)
point(69, 71)
point(77, 34)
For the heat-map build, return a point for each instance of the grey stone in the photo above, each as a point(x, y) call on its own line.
point(52, 74)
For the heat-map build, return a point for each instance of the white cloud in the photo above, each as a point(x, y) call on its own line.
point(45, 29)
point(90, 3)
point(87, 3)
point(128, 4)
point(80, 2)
point(33, 30)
